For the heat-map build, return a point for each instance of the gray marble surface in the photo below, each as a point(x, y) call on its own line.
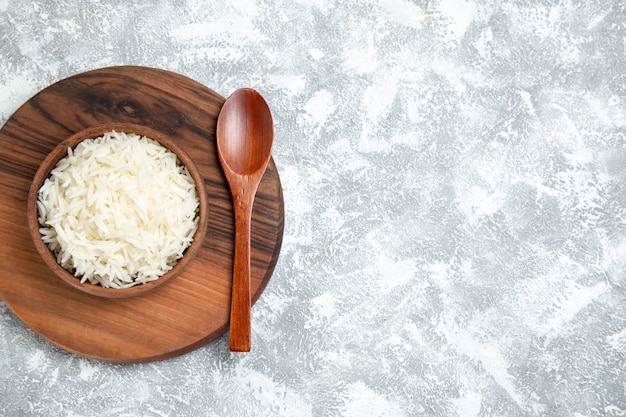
point(454, 176)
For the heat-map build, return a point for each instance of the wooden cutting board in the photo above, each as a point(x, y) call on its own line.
point(183, 315)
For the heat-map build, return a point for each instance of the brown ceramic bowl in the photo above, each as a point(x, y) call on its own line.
point(59, 152)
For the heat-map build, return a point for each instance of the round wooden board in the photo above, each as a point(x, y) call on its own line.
point(194, 308)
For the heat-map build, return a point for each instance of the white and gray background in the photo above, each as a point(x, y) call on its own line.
point(454, 176)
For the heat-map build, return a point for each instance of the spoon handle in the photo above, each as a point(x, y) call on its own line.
point(240, 297)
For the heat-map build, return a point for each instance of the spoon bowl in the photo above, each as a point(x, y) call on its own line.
point(244, 126)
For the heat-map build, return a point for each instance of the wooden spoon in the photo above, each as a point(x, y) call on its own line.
point(245, 134)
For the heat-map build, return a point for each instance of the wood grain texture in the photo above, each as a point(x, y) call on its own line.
point(194, 308)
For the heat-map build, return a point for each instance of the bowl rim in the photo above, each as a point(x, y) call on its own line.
point(59, 152)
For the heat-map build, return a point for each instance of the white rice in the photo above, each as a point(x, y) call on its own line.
point(118, 210)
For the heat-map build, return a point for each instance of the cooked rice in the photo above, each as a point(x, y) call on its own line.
point(118, 210)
